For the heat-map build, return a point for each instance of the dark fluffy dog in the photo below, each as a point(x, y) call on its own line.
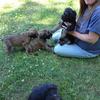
point(44, 92)
point(21, 40)
point(68, 22)
point(40, 42)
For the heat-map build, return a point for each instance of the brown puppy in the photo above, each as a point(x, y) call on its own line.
point(12, 41)
point(40, 42)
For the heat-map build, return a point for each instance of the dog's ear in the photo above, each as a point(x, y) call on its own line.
point(45, 34)
point(33, 33)
point(45, 31)
point(74, 13)
point(41, 34)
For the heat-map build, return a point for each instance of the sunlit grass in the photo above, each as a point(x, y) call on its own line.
point(9, 5)
point(77, 79)
point(46, 21)
point(14, 4)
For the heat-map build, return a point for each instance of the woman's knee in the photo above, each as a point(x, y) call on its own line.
point(58, 50)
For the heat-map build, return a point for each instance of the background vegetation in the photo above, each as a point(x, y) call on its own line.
point(77, 79)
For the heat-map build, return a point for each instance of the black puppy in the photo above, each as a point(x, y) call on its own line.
point(69, 15)
point(44, 92)
point(68, 24)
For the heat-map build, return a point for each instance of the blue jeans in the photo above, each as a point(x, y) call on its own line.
point(72, 50)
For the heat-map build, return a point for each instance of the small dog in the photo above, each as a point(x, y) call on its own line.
point(21, 40)
point(45, 92)
point(67, 23)
point(40, 42)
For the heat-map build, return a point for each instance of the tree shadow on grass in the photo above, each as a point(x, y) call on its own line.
point(30, 14)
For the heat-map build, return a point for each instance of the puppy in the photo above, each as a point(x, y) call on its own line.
point(45, 92)
point(67, 23)
point(21, 40)
point(40, 42)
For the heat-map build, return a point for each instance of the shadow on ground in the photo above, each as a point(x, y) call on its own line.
point(30, 14)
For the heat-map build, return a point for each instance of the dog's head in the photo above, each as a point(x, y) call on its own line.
point(45, 34)
point(69, 15)
point(44, 92)
point(68, 24)
point(32, 33)
point(69, 19)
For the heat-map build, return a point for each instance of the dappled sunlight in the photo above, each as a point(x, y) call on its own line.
point(9, 4)
point(20, 18)
point(46, 21)
point(32, 13)
point(41, 1)
point(29, 14)
point(19, 72)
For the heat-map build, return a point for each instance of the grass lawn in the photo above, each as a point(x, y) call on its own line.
point(77, 79)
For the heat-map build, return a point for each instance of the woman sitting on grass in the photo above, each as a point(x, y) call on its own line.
point(87, 33)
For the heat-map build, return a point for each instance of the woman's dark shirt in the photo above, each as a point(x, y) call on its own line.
point(87, 24)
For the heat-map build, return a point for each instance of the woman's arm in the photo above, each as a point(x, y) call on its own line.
point(90, 38)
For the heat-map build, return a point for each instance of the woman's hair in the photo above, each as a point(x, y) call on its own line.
point(83, 7)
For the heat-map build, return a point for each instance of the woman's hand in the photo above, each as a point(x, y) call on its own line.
point(90, 38)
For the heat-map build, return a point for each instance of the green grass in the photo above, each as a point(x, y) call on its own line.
point(77, 79)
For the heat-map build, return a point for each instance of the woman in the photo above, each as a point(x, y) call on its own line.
point(87, 33)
